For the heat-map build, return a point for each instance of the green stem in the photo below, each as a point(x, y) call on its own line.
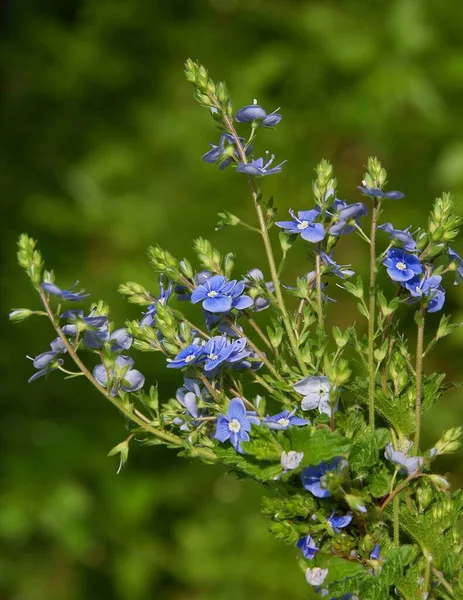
point(427, 573)
point(260, 333)
point(371, 320)
point(142, 422)
point(268, 248)
point(319, 288)
point(398, 489)
point(396, 520)
point(419, 377)
point(260, 354)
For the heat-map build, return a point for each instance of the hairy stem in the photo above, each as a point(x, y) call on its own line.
point(419, 376)
point(251, 344)
point(261, 334)
point(318, 280)
point(142, 422)
point(396, 520)
point(268, 247)
point(371, 320)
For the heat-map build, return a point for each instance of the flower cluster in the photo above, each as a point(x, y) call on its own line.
point(325, 417)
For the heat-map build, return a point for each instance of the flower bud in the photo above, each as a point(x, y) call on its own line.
point(19, 314)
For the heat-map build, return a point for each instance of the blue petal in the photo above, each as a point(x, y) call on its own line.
point(222, 431)
point(133, 380)
point(313, 233)
point(236, 410)
point(219, 304)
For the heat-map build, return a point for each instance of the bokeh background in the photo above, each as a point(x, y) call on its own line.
point(101, 144)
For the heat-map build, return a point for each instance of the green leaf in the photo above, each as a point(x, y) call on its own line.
point(263, 444)
point(247, 465)
point(318, 445)
point(364, 453)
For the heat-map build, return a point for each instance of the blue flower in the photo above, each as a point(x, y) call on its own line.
point(259, 168)
point(377, 193)
point(216, 352)
point(219, 295)
point(284, 420)
point(346, 217)
point(402, 266)
point(291, 460)
point(314, 478)
point(235, 425)
point(255, 112)
point(427, 287)
point(338, 523)
point(188, 396)
point(225, 152)
point(48, 361)
point(186, 357)
point(409, 464)
point(316, 392)
point(239, 351)
point(53, 289)
point(123, 377)
point(374, 554)
point(252, 279)
point(307, 546)
point(164, 294)
point(400, 235)
point(339, 270)
point(304, 225)
point(456, 258)
point(95, 331)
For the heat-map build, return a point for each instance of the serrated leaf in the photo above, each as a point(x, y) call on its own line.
point(247, 465)
point(317, 446)
point(263, 444)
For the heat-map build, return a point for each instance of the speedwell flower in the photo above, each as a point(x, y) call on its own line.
point(235, 425)
point(216, 352)
point(219, 295)
point(121, 374)
point(427, 287)
point(259, 168)
point(48, 361)
point(186, 357)
point(377, 193)
point(316, 576)
point(402, 266)
point(304, 225)
point(338, 523)
point(402, 236)
point(252, 279)
point(339, 270)
point(291, 460)
point(316, 392)
point(307, 546)
point(284, 420)
point(255, 112)
point(53, 289)
point(410, 464)
point(346, 216)
point(456, 258)
point(225, 152)
point(314, 478)
point(150, 314)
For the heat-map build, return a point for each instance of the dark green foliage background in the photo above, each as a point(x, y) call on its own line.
point(101, 146)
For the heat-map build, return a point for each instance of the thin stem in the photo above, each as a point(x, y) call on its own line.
point(318, 280)
point(166, 436)
point(203, 334)
point(427, 572)
point(396, 520)
point(371, 320)
point(261, 334)
point(251, 344)
point(444, 582)
point(398, 489)
point(419, 377)
point(268, 248)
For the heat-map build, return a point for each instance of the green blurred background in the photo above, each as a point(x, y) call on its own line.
point(101, 143)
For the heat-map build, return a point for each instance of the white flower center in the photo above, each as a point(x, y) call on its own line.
point(322, 391)
point(212, 356)
point(401, 266)
point(234, 425)
point(303, 225)
point(212, 294)
point(418, 290)
point(189, 358)
point(283, 421)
